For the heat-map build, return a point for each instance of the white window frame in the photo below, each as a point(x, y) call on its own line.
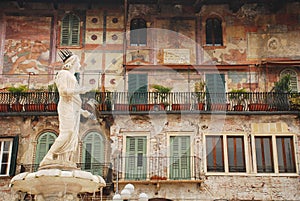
point(274, 152)
point(225, 151)
point(11, 140)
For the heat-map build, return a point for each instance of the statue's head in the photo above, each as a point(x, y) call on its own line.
point(71, 61)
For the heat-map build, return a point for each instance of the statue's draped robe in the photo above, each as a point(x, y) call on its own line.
point(69, 107)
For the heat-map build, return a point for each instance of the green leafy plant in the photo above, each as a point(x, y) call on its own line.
point(283, 85)
point(282, 89)
point(238, 95)
point(21, 88)
point(162, 92)
point(199, 89)
point(52, 88)
point(17, 96)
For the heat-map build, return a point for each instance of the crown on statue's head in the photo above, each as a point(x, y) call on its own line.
point(65, 54)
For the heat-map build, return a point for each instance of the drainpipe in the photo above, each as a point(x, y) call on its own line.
point(125, 42)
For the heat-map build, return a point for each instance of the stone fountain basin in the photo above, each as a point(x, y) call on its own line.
point(54, 181)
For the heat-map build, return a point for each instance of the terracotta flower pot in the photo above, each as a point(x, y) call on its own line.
point(34, 107)
point(4, 107)
point(258, 107)
point(238, 107)
point(181, 106)
point(219, 107)
point(17, 107)
point(52, 107)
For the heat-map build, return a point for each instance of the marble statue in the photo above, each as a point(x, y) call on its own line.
point(62, 153)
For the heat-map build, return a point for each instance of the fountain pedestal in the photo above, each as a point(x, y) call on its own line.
point(57, 185)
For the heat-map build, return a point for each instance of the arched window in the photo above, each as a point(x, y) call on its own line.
point(138, 32)
point(44, 143)
point(214, 35)
point(93, 153)
point(70, 30)
point(294, 78)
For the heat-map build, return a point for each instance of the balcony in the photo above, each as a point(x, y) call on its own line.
point(144, 169)
point(45, 103)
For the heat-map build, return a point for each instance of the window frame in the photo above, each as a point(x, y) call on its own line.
point(124, 151)
point(292, 73)
point(12, 155)
point(37, 148)
point(102, 156)
point(137, 30)
point(274, 154)
point(80, 32)
point(225, 154)
point(203, 32)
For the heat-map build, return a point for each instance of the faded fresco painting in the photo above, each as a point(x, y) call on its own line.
point(27, 52)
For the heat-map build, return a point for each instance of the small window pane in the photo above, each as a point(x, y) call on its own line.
point(214, 34)
point(138, 32)
point(4, 169)
point(236, 154)
point(264, 157)
point(5, 155)
point(214, 152)
point(285, 153)
point(5, 158)
point(6, 145)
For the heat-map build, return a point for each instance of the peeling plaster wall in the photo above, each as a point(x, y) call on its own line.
point(248, 186)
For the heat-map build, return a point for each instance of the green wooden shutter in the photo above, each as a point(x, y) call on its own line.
point(70, 30)
point(215, 88)
point(93, 153)
point(65, 30)
point(13, 160)
point(45, 141)
point(75, 29)
point(137, 88)
point(136, 161)
point(180, 157)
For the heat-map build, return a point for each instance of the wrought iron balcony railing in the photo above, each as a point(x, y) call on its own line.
point(141, 168)
point(154, 101)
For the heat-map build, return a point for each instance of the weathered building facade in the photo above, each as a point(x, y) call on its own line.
point(166, 77)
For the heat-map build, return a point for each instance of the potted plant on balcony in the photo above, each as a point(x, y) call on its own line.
point(281, 90)
point(238, 97)
point(200, 94)
point(4, 100)
point(52, 98)
point(104, 100)
point(35, 100)
point(18, 97)
point(161, 93)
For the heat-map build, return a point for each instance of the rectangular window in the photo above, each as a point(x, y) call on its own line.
point(264, 156)
point(285, 154)
point(5, 156)
point(214, 154)
point(236, 154)
point(180, 157)
point(136, 160)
